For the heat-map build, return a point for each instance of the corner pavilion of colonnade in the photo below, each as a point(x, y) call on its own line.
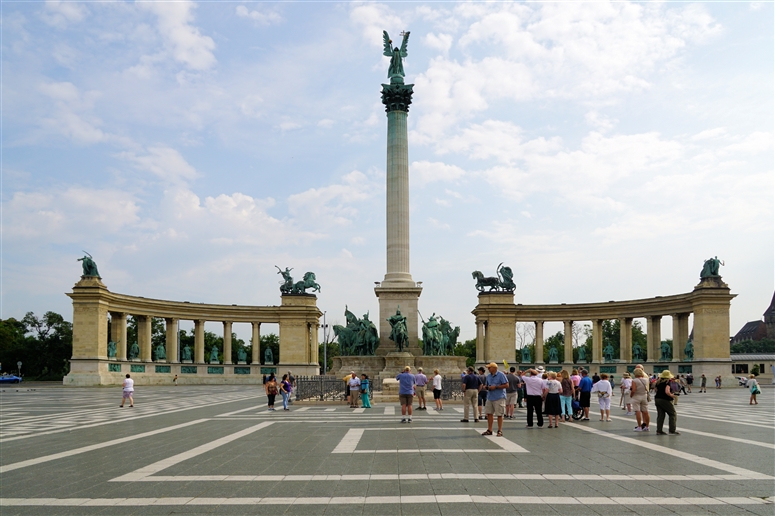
point(298, 317)
point(497, 315)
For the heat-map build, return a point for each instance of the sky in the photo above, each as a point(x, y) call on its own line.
point(601, 150)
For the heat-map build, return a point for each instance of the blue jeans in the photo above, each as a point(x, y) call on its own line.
point(566, 405)
point(285, 399)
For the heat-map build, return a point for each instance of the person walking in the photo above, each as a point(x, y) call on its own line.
point(419, 388)
point(536, 391)
point(511, 392)
point(175, 381)
point(585, 393)
point(703, 383)
point(553, 391)
point(271, 389)
point(663, 399)
point(471, 385)
point(482, 400)
point(566, 396)
point(639, 394)
point(365, 391)
point(521, 389)
point(625, 387)
point(689, 382)
point(495, 384)
point(406, 393)
point(285, 391)
point(755, 389)
point(604, 393)
point(128, 391)
point(682, 384)
point(437, 389)
point(355, 389)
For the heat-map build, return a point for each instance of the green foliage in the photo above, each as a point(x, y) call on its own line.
point(466, 349)
point(158, 333)
point(273, 342)
point(333, 351)
point(237, 343)
point(611, 335)
point(755, 370)
point(558, 341)
point(639, 338)
point(750, 346)
point(44, 346)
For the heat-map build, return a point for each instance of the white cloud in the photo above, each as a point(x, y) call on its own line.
point(61, 14)
point(165, 162)
point(441, 42)
point(261, 18)
point(334, 204)
point(600, 122)
point(373, 19)
point(184, 41)
point(424, 172)
point(326, 123)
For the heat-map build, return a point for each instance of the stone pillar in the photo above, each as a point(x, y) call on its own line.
point(568, 359)
point(680, 336)
point(171, 340)
point(227, 342)
point(256, 340)
point(144, 337)
point(539, 345)
point(88, 364)
point(654, 337)
point(497, 311)
point(625, 339)
point(597, 341)
point(313, 342)
point(118, 333)
point(298, 314)
point(479, 342)
point(199, 342)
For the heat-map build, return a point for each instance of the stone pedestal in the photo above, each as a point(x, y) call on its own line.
point(241, 362)
point(395, 363)
point(448, 366)
point(389, 393)
point(391, 297)
point(370, 365)
point(495, 318)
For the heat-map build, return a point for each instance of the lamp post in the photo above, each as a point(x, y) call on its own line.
point(325, 343)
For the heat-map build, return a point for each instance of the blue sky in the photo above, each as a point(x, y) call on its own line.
point(602, 150)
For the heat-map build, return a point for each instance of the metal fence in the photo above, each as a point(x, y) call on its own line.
point(451, 389)
point(328, 388)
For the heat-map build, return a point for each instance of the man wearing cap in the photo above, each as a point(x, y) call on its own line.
point(471, 386)
point(536, 390)
point(495, 385)
point(420, 382)
point(406, 393)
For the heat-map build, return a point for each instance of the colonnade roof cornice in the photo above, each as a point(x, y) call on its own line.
point(630, 309)
point(184, 310)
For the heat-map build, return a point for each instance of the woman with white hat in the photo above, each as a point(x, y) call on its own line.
point(664, 402)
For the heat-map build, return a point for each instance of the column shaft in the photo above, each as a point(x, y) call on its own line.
point(597, 341)
point(227, 342)
point(171, 340)
point(680, 336)
point(118, 333)
point(568, 358)
point(397, 198)
point(256, 343)
point(480, 341)
point(539, 346)
point(199, 342)
point(654, 337)
point(144, 337)
point(625, 339)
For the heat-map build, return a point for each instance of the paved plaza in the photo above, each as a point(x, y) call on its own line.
point(216, 450)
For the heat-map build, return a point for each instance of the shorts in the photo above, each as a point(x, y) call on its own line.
point(405, 399)
point(640, 404)
point(128, 394)
point(605, 403)
point(419, 391)
point(497, 408)
point(511, 398)
point(584, 399)
point(482, 398)
point(436, 394)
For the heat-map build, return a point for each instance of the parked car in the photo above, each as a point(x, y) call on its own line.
point(10, 378)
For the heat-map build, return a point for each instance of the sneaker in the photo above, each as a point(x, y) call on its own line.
point(645, 429)
point(403, 420)
point(409, 420)
point(476, 420)
point(637, 429)
point(628, 414)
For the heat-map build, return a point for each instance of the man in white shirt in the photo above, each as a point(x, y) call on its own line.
point(536, 391)
point(128, 389)
point(419, 388)
point(355, 388)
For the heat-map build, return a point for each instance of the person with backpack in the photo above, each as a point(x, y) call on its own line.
point(755, 389)
point(640, 397)
point(271, 389)
point(665, 402)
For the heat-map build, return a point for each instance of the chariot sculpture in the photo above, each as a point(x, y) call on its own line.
point(502, 282)
point(300, 287)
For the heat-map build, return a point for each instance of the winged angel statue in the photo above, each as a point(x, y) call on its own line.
point(396, 55)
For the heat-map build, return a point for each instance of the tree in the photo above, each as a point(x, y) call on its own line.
point(12, 343)
point(558, 341)
point(237, 343)
point(577, 333)
point(43, 345)
point(272, 342)
point(639, 338)
point(158, 333)
point(466, 349)
point(750, 346)
point(526, 334)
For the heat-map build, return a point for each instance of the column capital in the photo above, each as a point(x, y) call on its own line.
point(397, 97)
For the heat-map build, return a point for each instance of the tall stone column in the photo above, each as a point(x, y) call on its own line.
point(199, 342)
point(654, 337)
point(568, 359)
point(144, 337)
point(227, 342)
point(625, 339)
point(256, 343)
point(118, 333)
point(171, 340)
point(479, 342)
point(597, 341)
point(680, 336)
point(539, 346)
point(397, 289)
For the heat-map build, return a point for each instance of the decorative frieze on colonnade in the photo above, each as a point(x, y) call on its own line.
point(497, 316)
point(298, 317)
